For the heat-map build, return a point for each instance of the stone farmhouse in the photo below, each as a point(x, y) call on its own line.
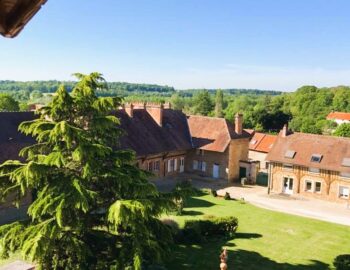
point(167, 142)
point(339, 117)
point(310, 165)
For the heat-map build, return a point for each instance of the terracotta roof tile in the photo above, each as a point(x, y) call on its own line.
point(332, 149)
point(262, 142)
point(146, 137)
point(211, 133)
point(338, 115)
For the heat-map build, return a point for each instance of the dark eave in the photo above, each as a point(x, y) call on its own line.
point(15, 14)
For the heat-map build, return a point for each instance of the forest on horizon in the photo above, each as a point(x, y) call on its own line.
point(264, 110)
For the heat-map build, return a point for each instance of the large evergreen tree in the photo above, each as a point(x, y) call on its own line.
point(93, 209)
point(202, 103)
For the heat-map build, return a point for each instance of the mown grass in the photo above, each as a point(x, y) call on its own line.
point(265, 240)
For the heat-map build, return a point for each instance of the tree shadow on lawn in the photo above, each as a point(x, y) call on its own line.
point(196, 202)
point(191, 213)
point(206, 256)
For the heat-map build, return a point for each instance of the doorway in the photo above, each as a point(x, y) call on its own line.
point(216, 169)
point(287, 185)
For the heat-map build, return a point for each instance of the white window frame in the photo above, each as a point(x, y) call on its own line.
point(169, 165)
point(341, 195)
point(175, 164)
point(156, 166)
point(312, 185)
point(320, 187)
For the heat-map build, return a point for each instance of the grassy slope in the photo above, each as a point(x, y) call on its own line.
point(265, 239)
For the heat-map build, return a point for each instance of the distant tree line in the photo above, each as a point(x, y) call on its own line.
point(305, 109)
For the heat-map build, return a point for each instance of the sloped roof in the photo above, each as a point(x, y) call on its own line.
point(339, 116)
point(262, 142)
point(15, 14)
point(333, 151)
point(11, 140)
point(146, 137)
point(212, 133)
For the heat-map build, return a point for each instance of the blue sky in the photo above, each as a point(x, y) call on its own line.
point(265, 44)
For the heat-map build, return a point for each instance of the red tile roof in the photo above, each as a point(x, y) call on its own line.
point(262, 142)
point(212, 133)
point(338, 115)
point(332, 149)
point(146, 137)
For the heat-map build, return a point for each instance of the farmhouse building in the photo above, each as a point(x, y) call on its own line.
point(310, 165)
point(339, 117)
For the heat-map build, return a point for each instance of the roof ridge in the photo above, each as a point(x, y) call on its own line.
point(322, 136)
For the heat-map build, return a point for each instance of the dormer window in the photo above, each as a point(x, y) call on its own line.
point(290, 154)
point(346, 162)
point(316, 158)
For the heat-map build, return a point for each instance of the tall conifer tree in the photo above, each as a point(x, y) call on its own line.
point(219, 100)
point(93, 208)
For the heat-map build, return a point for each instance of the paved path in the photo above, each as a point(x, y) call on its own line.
point(307, 207)
point(17, 265)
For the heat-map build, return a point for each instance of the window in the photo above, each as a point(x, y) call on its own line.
point(318, 187)
point(346, 162)
point(316, 158)
point(288, 166)
point(314, 170)
point(182, 161)
point(172, 165)
point(308, 185)
point(150, 166)
point(175, 164)
point(156, 166)
point(195, 165)
point(204, 166)
point(289, 154)
point(343, 192)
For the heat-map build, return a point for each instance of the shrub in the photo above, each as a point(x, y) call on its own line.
point(342, 262)
point(172, 224)
point(214, 193)
point(210, 227)
point(227, 196)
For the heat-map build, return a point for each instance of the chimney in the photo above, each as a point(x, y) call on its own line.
point(156, 111)
point(239, 123)
point(129, 109)
point(285, 130)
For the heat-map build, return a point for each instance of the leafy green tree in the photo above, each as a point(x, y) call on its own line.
point(177, 102)
point(219, 103)
point(94, 209)
point(202, 103)
point(8, 103)
point(342, 130)
point(36, 94)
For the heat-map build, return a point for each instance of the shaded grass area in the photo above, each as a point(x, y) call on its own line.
point(265, 239)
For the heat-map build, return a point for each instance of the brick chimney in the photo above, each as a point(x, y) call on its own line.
point(285, 131)
point(156, 111)
point(129, 109)
point(239, 123)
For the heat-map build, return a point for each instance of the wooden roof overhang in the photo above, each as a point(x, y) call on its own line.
point(15, 14)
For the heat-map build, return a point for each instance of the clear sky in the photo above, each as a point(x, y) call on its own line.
point(265, 44)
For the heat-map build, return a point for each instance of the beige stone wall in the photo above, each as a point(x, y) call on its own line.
point(238, 150)
point(163, 163)
point(330, 182)
point(259, 156)
point(211, 158)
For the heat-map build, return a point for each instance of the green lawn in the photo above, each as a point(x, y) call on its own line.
point(265, 240)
